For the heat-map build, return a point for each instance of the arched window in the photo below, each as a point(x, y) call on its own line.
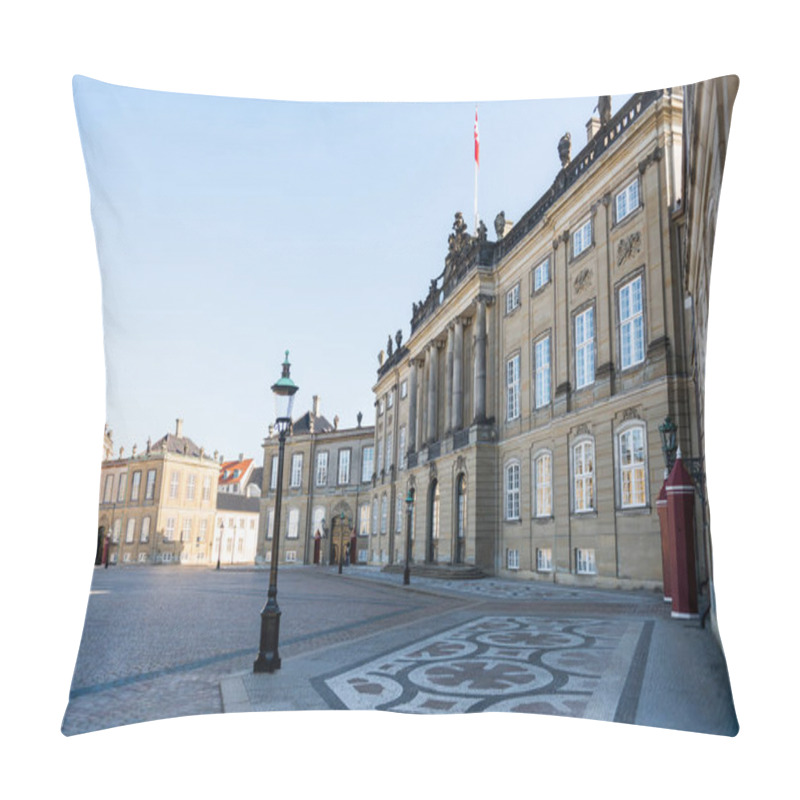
point(512, 490)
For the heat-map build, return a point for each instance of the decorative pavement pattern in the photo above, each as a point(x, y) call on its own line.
point(577, 667)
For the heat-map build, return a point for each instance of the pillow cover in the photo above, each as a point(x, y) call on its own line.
point(522, 524)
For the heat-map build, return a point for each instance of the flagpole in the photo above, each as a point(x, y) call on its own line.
point(477, 160)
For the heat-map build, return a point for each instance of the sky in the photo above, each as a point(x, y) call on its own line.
point(230, 230)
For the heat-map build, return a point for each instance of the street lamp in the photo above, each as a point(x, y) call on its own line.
point(219, 548)
point(341, 539)
point(668, 430)
point(268, 659)
point(409, 512)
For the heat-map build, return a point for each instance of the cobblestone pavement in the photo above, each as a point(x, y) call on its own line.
point(162, 642)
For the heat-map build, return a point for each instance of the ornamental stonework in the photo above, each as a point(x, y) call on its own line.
point(583, 281)
point(629, 247)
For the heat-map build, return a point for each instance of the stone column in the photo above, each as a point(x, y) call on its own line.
point(432, 390)
point(480, 361)
point(448, 382)
point(456, 417)
point(412, 406)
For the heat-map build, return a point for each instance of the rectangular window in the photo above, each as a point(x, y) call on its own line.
point(270, 522)
point(363, 522)
point(291, 556)
point(186, 531)
point(401, 450)
point(116, 530)
point(367, 457)
point(584, 561)
point(379, 462)
point(273, 475)
point(384, 514)
point(583, 477)
point(582, 238)
point(293, 524)
point(390, 399)
point(544, 559)
point(174, 483)
point(135, 483)
point(544, 485)
point(584, 348)
point(632, 468)
point(190, 483)
point(512, 491)
point(344, 467)
point(374, 516)
point(322, 469)
point(144, 533)
point(541, 275)
point(631, 321)
point(389, 446)
point(123, 484)
point(512, 299)
point(169, 530)
point(513, 559)
point(150, 486)
point(318, 519)
point(201, 535)
point(403, 390)
point(542, 364)
point(297, 470)
point(627, 201)
point(398, 514)
point(130, 529)
point(512, 388)
point(207, 487)
point(108, 490)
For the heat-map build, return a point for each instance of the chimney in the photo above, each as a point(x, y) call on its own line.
point(179, 427)
point(336, 422)
point(316, 405)
point(241, 456)
point(592, 126)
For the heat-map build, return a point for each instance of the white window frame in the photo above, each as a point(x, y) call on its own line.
point(384, 514)
point(293, 523)
point(583, 488)
point(374, 528)
point(543, 483)
point(186, 530)
point(631, 323)
point(398, 514)
point(206, 495)
point(273, 477)
point(512, 473)
point(633, 474)
point(367, 463)
point(582, 238)
point(512, 388)
point(130, 530)
point(541, 275)
point(169, 529)
point(344, 467)
point(401, 451)
point(144, 531)
point(317, 519)
point(584, 348)
point(321, 476)
point(291, 556)
point(544, 559)
point(122, 486)
point(190, 486)
point(150, 487)
point(202, 530)
point(364, 519)
point(404, 390)
point(512, 299)
point(585, 561)
point(270, 523)
point(108, 489)
point(543, 388)
point(512, 559)
point(627, 200)
point(297, 471)
point(174, 484)
point(389, 448)
point(136, 483)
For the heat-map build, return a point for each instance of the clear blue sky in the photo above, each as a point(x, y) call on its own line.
point(230, 230)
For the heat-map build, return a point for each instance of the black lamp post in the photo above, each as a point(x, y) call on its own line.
point(268, 659)
point(409, 512)
point(219, 548)
point(668, 430)
point(341, 539)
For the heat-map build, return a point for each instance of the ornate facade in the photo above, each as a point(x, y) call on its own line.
point(327, 480)
point(522, 415)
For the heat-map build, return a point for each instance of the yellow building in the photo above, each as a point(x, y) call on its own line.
point(158, 506)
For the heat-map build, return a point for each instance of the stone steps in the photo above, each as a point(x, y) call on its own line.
point(439, 571)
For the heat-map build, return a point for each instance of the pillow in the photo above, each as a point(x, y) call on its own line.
point(523, 522)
